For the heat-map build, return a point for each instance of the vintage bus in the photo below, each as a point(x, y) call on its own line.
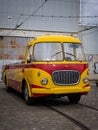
point(54, 65)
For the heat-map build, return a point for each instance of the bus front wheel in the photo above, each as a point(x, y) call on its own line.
point(74, 98)
point(29, 100)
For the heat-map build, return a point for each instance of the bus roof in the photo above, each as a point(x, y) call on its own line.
point(54, 38)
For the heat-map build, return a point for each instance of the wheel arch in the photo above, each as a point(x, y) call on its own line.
point(24, 82)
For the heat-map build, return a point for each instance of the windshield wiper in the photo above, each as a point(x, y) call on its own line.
point(70, 54)
point(56, 53)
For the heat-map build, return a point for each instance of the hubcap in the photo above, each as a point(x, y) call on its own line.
point(26, 93)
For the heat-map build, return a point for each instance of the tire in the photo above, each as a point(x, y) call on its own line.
point(8, 89)
point(29, 100)
point(74, 98)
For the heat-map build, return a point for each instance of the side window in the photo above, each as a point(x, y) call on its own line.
point(30, 52)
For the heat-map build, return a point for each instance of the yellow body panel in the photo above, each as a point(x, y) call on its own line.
point(54, 38)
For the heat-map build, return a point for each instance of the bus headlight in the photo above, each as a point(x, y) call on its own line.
point(85, 80)
point(44, 81)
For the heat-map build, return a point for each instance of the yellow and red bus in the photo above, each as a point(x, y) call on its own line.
point(54, 65)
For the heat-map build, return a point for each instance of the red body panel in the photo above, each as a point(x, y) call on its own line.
point(51, 67)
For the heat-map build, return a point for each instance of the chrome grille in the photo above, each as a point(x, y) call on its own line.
point(66, 77)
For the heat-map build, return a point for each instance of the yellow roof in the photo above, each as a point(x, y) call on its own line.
point(54, 38)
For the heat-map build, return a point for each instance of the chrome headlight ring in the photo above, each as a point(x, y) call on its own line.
point(44, 81)
point(85, 80)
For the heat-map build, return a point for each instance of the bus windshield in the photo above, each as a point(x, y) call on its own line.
point(55, 51)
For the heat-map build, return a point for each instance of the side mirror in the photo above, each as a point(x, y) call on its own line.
point(90, 57)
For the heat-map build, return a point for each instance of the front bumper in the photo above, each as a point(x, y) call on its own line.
point(60, 90)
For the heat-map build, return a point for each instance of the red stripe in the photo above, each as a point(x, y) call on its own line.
point(18, 66)
point(86, 86)
point(35, 86)
point(50, 67)
point(40, 95)
point(53, 67)
point(37, 95)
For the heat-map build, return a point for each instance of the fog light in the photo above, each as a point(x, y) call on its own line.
point(44, 81)
point(85, 80)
